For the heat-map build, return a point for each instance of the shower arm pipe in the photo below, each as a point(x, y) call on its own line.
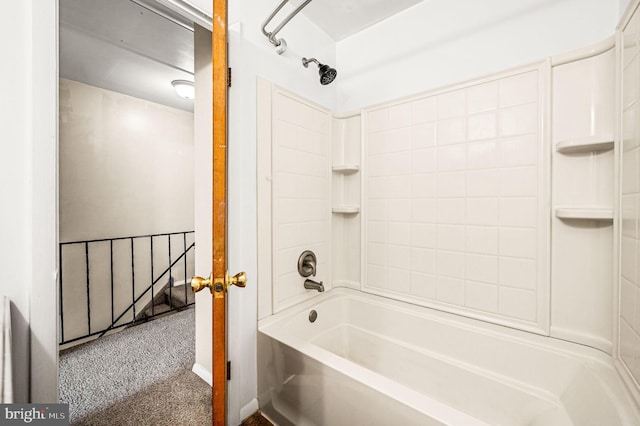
point(272, 35)
point(306, 62)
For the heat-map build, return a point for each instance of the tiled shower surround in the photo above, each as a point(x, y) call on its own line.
point(452, 200)
point(465, 199)
point(301, 193)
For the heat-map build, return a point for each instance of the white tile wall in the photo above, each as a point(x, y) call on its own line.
point(452, 199)
point(629, 337)
point(301, 194)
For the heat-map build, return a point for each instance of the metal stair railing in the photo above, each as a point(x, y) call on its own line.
point(116, 268)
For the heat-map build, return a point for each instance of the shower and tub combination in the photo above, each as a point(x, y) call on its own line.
point(464, 240)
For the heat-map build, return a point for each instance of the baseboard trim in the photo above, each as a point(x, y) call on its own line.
point(249, 409)
point(203, 373)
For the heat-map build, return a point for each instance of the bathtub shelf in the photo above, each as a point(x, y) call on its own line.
point(584, 213)
point(589, 144)
point(346, 209)
point(346, 169)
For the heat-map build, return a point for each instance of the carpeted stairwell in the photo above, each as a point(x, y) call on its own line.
point(170, 297)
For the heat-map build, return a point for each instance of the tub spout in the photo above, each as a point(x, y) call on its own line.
point(312, 285)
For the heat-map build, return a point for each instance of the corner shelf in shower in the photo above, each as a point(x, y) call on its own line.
point(588, 144)
point(584, 213)
point(346, 209)
point(346, 168)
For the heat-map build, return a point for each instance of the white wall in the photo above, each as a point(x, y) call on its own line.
point(623, 6)
point(126, 165)
point(440, 42)
point(28, 119)
point(304, 40)
point(203, 193)
point(15, 248)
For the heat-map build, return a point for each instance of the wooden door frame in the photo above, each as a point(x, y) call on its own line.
point(219, 211)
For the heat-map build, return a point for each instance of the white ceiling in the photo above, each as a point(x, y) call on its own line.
point(342, 18)
point(121, 46)
point(137, 47)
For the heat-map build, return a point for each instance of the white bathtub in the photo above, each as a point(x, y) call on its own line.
point(368, 360)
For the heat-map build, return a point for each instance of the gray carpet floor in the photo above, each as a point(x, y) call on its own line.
point(141, 376)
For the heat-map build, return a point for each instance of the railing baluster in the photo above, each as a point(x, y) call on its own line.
point(133, 281)
point(111, 268)
point(86, 262)
point(184, 249)
point(61, 304)
point(153, 305)
point(170, 276)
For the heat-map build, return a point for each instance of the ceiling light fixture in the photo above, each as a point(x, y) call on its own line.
point(184, 88)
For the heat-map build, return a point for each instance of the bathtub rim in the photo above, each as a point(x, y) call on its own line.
point(484, 327)
point(625, 405)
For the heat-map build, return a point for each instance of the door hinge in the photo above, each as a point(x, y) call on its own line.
point(228, 370)
point(229, 77)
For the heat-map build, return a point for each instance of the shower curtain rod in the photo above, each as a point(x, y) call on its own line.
point(280, 44)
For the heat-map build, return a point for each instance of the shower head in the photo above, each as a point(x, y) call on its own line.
point(327, 74)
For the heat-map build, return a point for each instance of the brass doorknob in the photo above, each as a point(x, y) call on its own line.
point(239, 280)
point(199, 283)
